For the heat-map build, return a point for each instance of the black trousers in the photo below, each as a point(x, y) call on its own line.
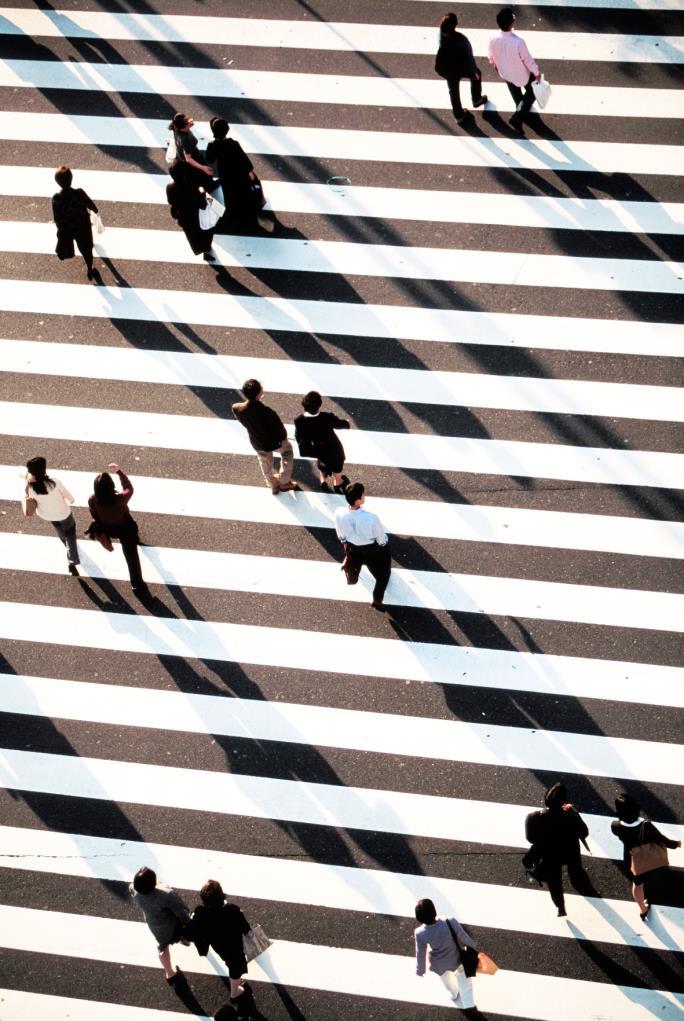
point(553, 876)
point(378, 561)
point(525, 98)
point(455, 92)
point(128, 536)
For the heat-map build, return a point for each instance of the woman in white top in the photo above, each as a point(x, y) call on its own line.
point(53, 504)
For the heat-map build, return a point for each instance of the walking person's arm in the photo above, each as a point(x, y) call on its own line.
point(126, 484)
point(421, 954)
point(64, 492)
point(379, 533)
point(528, 60)
point(89, 202)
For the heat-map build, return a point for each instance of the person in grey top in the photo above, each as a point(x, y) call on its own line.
point(435, 941)
point(166, 916)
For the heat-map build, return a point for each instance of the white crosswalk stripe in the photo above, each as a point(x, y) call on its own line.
point(499, 318)
point(502, 268)
point(344, 36)
point(408, 204)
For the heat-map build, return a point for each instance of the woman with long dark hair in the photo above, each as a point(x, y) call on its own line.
point(217, 924)
point(110, 513)
point(635, 832)
point(53, 504)
point(187, 150)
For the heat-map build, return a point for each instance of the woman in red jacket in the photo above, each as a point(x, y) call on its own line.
point(111, 516)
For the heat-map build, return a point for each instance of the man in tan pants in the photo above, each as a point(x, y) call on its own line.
point(268, 437)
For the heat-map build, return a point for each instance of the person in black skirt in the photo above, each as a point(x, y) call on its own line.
point(70, 211)
point(241, 186)
point(186, 198)
point(634, 830)
point(217, 924)
point(316, 436)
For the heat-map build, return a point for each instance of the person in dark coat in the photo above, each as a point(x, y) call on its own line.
point(555, 833)
point(70, 211)
point(454, 61)
point(316, 436)
point(186, 198)
point(111, 516)
point(187, 151)
point(268, 437)
point(217, 924)
point(633, 829)
point(241, 186)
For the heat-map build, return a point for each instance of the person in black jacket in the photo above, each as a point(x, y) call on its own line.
point(634, 830)
point(186, 198)
point(268, 437)
point(70, 211)
point(555, 833)
point(315, 434)
point(241, 186)
point(217, 924)
point(454, 61)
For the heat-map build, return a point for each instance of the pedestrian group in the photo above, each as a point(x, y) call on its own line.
point(224, 176)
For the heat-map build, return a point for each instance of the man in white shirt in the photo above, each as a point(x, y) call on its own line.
point(515, 64)
point(364, 540)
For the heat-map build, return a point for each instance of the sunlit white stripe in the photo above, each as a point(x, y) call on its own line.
point(519, 269)
point(425, 662)
point(317, 35)
point(339, 144)
point(355, 730)
point(312, 966)
point(290, 577)
point(18, 1004)
point(407, 450)
point(432, 518)
point(239, 795)
point(608, 5)
point(553, 333)
point(538, 211)
point(475, 390)
point(295, 87)
point(333, 886)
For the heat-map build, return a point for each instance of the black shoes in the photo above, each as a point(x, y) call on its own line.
point(562, 913)
point(73, 570)
point(480, 102)
point(516, 123)
point(379, 606)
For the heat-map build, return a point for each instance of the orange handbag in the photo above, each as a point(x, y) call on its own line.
point(485, 965)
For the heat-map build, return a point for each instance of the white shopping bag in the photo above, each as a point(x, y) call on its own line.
point(210, 216)
point(171, 151)
point(542, 91)
point(96, 222)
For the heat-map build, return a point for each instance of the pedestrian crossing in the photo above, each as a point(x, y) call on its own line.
point(500, 319)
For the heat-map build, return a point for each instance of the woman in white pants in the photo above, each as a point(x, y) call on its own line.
point(436, 940)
